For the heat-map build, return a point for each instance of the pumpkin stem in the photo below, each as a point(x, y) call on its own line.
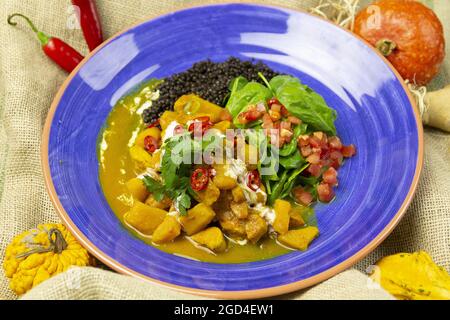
point(386, 46)
point(56, 246)
point(59, 244)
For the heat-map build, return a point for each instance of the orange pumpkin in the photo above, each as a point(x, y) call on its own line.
point(408, 33)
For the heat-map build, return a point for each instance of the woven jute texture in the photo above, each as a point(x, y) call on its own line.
point(28, 83)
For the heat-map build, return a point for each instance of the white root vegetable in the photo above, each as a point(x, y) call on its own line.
point(437, 109)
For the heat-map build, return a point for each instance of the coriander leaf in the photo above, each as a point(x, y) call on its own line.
point(183, 202)
point(154, 187)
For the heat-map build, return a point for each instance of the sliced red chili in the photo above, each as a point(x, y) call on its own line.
point(150, 144)
point(204, 123)
point(254, 180)
point(178, 129)
point(200, 179)
point(154, 124)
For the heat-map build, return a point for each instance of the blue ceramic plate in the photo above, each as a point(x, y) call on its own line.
point(374, 112)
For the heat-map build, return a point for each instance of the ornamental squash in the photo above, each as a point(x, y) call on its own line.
point(40, 253)
point(412, 276)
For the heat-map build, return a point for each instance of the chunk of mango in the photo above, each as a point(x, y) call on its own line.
point(238, 194)
point(296, 218)
point(197, 218)
point(168, 117)
point(240, 209)
point(281, 223)
point(164, 204)
point(142, 157)
point(232, 225)
point(144, 218)
point(223, 126)
point(193, 106)
point(299, 239)
point(255, 228)
point(137, 189)
point(209, 195)
point(168, 230)
point(221, 180)
point(212, 238)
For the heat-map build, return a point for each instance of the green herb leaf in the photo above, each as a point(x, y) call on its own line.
point(240, 99)
point(304, 103)
point(154, 187)
point(290, 183)
point(293, 161)
point(278, 188)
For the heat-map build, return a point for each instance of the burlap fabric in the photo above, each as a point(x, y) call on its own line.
point(28, 83)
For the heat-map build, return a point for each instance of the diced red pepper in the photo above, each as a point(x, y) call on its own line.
point(314, 158)
point(335, 143)
point(273, 101)
point(314, 170)
point(325, 192)
point(302, 196)
point(348, 151)
point(294, 120)
point(330, 176)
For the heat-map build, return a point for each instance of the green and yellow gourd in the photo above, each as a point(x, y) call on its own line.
point(38, 254)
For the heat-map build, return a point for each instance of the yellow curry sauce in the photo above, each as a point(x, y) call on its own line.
point(116, 168)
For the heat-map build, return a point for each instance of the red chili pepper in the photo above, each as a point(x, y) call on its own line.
point(200, 179)
point(253, 180)
point(205, 124)
point(153, 124)
point(90, 22)
point(150, 144)
point(56, 49)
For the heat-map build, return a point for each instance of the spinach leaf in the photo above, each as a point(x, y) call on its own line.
point(278, 188)
point(293, 161)
point(304, 103)
point(308, 181)
point(291, 181)
point(250, 93)
point(237, 84)
point(268, 166)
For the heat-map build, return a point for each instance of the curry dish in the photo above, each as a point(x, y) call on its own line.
point(224, 207)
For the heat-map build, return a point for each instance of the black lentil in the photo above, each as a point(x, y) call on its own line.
point(206, 79)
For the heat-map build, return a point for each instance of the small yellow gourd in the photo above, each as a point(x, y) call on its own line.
point(40, 253)
point(412, 276)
